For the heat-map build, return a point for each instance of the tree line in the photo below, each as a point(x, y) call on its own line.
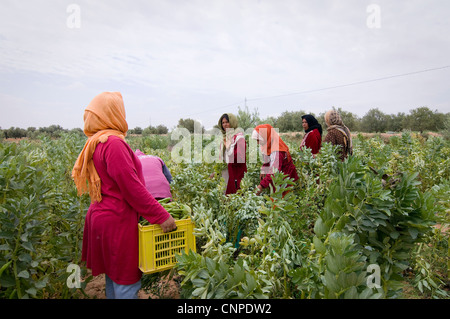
point(33, 132)
point(420, 119)
point(374, 121)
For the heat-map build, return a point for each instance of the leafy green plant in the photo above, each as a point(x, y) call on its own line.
point(339, 271)
point(318, 240)
point(41, 217)
point(26, 191)
point(387, 220)
point(210, 237)
point(431, 259)
point(273, 250)
point(207, 278)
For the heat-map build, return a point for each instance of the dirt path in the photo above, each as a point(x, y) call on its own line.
point(95, 289)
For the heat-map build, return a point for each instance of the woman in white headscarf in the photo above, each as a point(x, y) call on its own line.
point(233, 152)
point(338, 134)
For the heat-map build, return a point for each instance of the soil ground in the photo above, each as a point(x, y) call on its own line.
point(95, 289)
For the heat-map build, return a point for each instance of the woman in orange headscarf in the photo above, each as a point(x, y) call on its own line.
point(109, 171)
point(276, 155)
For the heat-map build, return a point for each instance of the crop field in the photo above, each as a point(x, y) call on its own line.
point(374, 226)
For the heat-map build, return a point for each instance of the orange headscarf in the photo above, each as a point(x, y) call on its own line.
point(270, 141)
point(103, 117)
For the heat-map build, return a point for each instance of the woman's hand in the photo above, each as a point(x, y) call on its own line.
point(258, 189)
point(169, 225)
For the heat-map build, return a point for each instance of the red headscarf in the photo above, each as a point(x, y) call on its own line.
point(270, 141)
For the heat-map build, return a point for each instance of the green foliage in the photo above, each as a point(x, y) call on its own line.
point(160, 129)
point(148, 144)
point(339, 271)
point(387, 221)
point(246, 119)
point(290, 121)
point(446, 130)
point(383, 222)
point(431, 258)
point(41, 218)
point(25, 187)
point(374, 121)
point(313, 238)
point(423, 119)
point(206, 278)
point(192, 125)
point(54, 131)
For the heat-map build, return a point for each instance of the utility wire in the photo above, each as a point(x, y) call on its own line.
point(351, 84)
point(216, 108)
point(328, 88)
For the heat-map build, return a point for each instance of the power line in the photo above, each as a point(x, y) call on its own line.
point(327, 88)
point(352, 84)
point(216, 108)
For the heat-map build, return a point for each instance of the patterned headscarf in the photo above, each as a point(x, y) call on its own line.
point(231, 118)
point(103, 117)
point(230, 136)
point(334, 120)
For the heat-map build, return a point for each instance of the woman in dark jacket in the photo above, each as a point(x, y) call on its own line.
point(313, 134)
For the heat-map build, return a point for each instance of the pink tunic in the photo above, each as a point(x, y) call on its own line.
point(110, 238)
point(155, 180)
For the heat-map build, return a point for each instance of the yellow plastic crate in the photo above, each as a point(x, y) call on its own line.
point(157, 249)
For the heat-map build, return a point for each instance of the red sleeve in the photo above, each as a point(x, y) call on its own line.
point(267, 180)
point(121, 168)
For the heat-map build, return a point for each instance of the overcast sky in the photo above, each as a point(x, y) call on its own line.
point(199, 59)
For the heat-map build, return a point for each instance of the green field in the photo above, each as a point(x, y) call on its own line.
point(375, 226)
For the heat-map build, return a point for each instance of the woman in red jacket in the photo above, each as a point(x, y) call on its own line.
point(111, 173)
point(313, 134)
point(276, 155)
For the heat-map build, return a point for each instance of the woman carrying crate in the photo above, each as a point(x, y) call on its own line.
point(109, 171)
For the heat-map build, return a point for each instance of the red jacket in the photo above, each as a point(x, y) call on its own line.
point(312, 140)
point(235, 157)
point(280, 161)
point(110, 238)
